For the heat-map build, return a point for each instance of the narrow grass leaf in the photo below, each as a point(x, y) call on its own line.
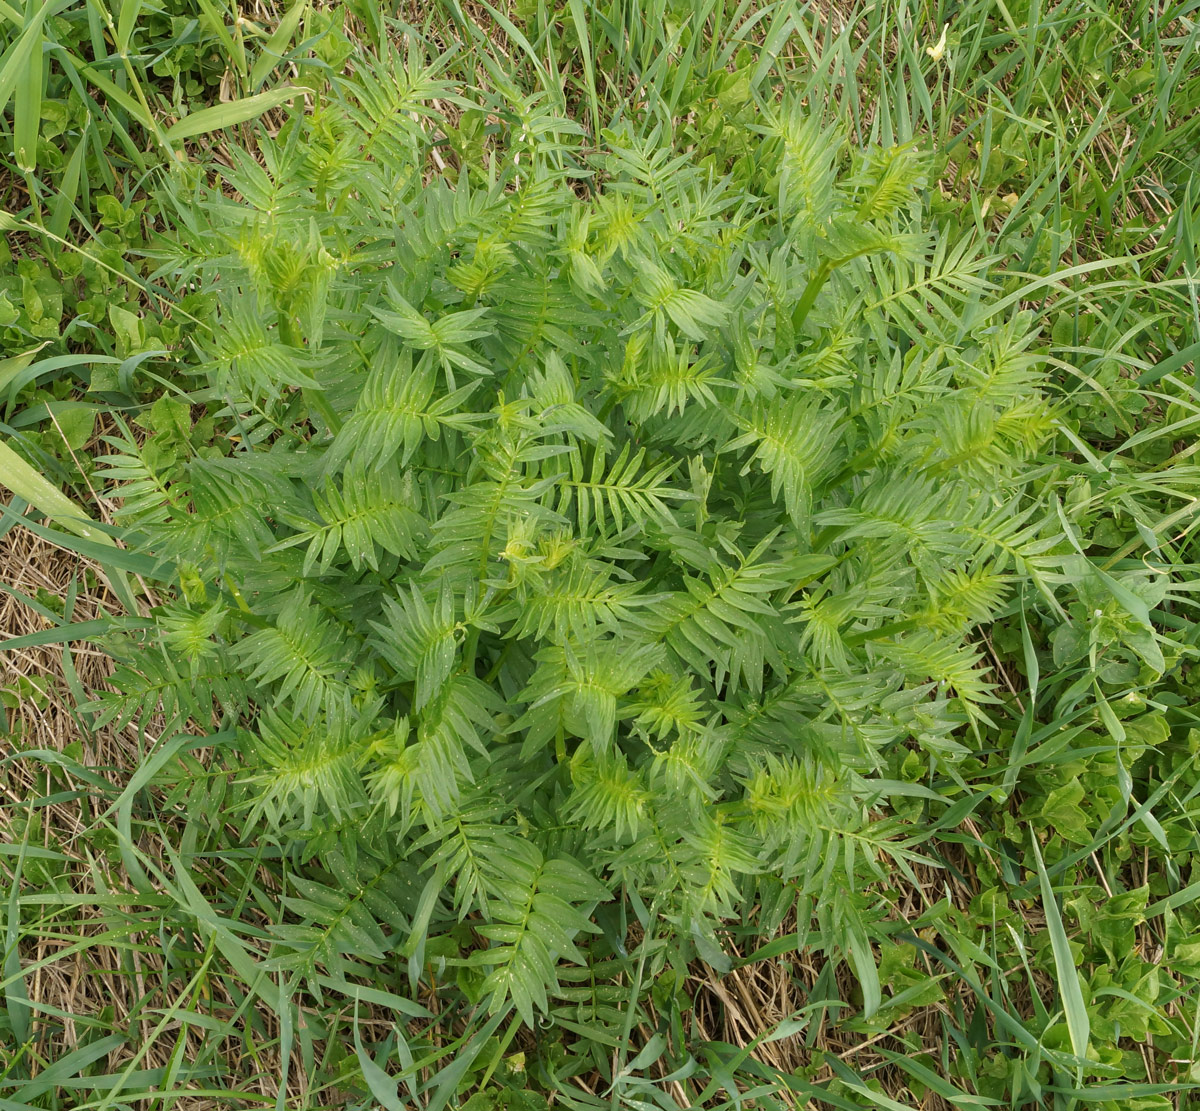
point(16, 61)
point(27, 109)
point(1069, 990)
point(382, 1086)
point(16, 995)
point(275, 47)
point(62, 634)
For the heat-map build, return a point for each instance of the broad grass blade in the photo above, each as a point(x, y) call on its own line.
point(231, 114)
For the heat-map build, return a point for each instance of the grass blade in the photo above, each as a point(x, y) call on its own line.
point(231, 114)
point(27, 108)
point(16, 60)
point(1078, 1023)
point(16, 996)
point(62, 634)
point(19, 477)
point(579, 17)
point(273, 51)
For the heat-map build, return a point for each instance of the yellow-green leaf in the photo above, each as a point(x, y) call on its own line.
point(231, 114)
point(24, 481)
point(275, 46)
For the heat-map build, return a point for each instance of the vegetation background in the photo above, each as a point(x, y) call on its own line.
point(940, 852)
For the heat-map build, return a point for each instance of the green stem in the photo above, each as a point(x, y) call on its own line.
point(609, 405)
point(318, 401)
point(855, 639)
point(815, 284)
point(315, 399)
point(495, 670)
point(150, 122)
point(470, 647)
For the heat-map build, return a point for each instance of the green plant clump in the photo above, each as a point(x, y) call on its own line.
point(594, 542)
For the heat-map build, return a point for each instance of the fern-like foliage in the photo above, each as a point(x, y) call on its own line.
point(568, 549)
